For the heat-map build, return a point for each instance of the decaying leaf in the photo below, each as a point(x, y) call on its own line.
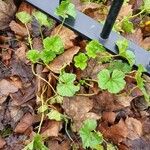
point(78, 109)
point(134, 128)
point(113, 132)
point(18, 29)
point(51, 128)
point(7, 10)
point(66, 35)
point(2, 142)
point(63, 59)
point(24, 123)
point(7, 87)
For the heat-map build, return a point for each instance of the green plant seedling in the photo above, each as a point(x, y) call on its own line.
point(114, 82)
point(66, 86)
point(66, 9)
point(93, 48)
point(81, 61)
point(90, 138)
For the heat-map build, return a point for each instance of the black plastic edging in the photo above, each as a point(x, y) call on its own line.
point(91, 29)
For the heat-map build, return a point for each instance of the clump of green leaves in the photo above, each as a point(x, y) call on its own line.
point(81, 61)
point(43, 19)
point(112, 81)
point(123, 52)
point(119, 65)
point(66, 86)
point(90, 138)
point(125, 25)
point(146, 6)
point(66, 9)
point(52, 46)
point(37, 143)
point(55, 115)
point(94, 48)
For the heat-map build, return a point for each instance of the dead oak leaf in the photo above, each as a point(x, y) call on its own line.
point(66, 35)
point(78, 109)
point(63, 59)
point(7, 10)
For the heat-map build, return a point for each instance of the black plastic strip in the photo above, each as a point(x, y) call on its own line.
point(91, 29)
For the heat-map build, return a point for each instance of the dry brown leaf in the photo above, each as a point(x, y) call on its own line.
point(136, 37)
point(78, 109)
point(26, 7)
point(146, 43)
point(24, 123)
point(124, 100)
point(63, 59)
point(57, 145)
point(7, 87)
point(109, 117)
point(126, 10)
point(117, 133)
point(7, 11)
point(2, 142)
point(134, 128)
point(21, 52)
point(18, 29)
point(105, 101)
point(93, 69)
point(66, 35)
point(51, 129)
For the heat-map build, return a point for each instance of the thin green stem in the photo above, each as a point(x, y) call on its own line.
point(142, 11)
point(60, 26)
point(42, 117)
point(29, 37)
point(43, 79)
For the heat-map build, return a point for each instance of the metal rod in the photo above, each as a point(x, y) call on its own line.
point(111, 18)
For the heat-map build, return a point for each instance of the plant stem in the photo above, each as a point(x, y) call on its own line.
point(29, 37)
point(87, 95)
point(137, 14)
point(41, 33)
point(43, 79)
point(42, 117)
point(66, 130)
point(60, 26)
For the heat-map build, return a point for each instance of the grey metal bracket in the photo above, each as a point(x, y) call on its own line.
point(91, 29)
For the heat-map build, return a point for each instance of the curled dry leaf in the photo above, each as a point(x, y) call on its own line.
point(21, 52)
point(78, 109)
point(66, 35)
point(18, 29)
point(63, 59)
point(51, 129)
point(134, 128)
point(113, 132)
point(24, 123)
point(7, 10)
